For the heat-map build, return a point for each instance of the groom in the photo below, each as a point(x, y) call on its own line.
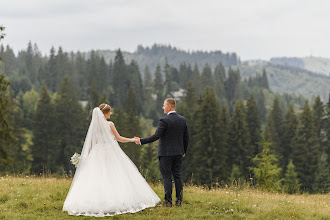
point(173, 136)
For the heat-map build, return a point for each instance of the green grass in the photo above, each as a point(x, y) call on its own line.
point(42, 198)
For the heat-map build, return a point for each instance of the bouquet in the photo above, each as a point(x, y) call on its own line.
point(75, 159)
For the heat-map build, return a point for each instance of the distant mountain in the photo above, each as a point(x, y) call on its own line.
point(290, 79)
point(314, 64)
point(303, 76)
point(152, 56)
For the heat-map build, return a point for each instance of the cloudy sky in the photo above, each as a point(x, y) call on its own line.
point(254, 29)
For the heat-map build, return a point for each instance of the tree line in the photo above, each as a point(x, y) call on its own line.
point(45, 122)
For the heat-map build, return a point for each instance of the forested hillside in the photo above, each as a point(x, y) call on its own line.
point(239, 128)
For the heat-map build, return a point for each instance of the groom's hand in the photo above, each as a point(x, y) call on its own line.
point(137, 140)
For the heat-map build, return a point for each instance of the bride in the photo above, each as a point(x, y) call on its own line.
point(106, 181)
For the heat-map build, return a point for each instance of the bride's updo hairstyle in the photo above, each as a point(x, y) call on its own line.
point(105, 108)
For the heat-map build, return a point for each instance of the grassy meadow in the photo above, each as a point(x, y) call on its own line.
point(26, 197)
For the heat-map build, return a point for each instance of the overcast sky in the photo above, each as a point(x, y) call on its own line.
point(254, 29)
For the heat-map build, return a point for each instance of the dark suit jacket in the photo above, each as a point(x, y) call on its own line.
point(173, 135)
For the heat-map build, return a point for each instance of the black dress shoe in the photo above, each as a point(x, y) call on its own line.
point(178, 203)
point(166, 204)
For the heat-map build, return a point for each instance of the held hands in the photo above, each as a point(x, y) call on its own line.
point(137, 140)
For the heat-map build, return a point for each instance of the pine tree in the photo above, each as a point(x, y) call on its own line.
point(132, 127)
point(322, 181)
point(147, 90)
point(220, 77)
point(291, 182)
point(6, 130)
point(29, 101)
point(70, 127)
point(186, 109)
point(120, 80)
point(264, 80)
point(159, 90)
point(20, 151)
point(209, 150)
point(44, 148)
point(50, 74)
point(266, 172)
point(135, 81)
point(326, 127)
point(207, 77)
point(253, 124)
point(233, 87)
point(306, 150)
point(289, 137)
point(195, 79)
point(318, 114)
point(94, 97)
point(240, 151)
point(274, 127)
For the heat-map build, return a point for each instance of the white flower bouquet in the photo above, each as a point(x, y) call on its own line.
point(75, 159)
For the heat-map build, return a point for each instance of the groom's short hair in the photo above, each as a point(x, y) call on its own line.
point(171, 102)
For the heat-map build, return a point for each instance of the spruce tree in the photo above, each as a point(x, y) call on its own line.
point(120, 79)
point(240, 150)
point(187, 109)
point(326, 127)
point(306, 150)
point(132, 127)
point(70, 126)
point(322, 180)
point(233, 87)
point(6, 130)
point(207, 77)
point(291, 182)
point(318, 114)
point(195, 80)
point(267, 172)
point(209, 150)
point(147, 90)
point(45, 144)
point(158, 86)
point(274, 127)
point(253, 124)
point(289, 137)
point(135, 81)
point(20, 151)
point(220, 77)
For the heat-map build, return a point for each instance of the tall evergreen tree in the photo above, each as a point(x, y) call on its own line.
point(275, 128)
point(187, 109)
point(306, 151)
point(326, 127)
point(70, 127)
point(233, 87)
point(120, 80)
point(291, 182)
point(240, 151)
point(207, 77)
point(6, 130)
point(318, 114)
point(135, 81)
point(220, 77)
point(209, 149)
point(44, 148)
point(195, 79)
point(158, 86)
point(289, 137)
point(147, 90)
point(132, 126)
point(322, 181)
point(253, 124)
point(264, 80)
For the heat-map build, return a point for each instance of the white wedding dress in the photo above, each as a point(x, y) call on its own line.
point(106, 181)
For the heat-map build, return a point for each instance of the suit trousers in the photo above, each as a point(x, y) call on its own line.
point(168, 166)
